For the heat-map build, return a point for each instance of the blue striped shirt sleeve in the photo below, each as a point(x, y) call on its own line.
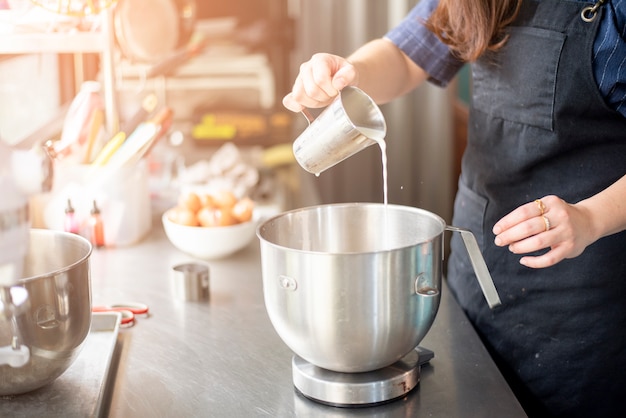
point(609, 55)
point(609, 50)
point(423, 47)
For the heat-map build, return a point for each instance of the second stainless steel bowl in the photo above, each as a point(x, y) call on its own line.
point(54, 322)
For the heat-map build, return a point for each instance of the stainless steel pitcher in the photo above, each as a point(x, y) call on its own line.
point(351, 123)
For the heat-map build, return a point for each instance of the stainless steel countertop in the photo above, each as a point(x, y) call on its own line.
point(222, 358)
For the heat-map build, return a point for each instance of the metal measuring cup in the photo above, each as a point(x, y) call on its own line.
point(351, 123)
point(191, 282)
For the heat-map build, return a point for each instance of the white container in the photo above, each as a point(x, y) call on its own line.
point(209, 242)
point(123, 198)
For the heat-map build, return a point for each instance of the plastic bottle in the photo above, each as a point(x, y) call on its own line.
point(96, 227)
point(71, 223)
point(77, 120)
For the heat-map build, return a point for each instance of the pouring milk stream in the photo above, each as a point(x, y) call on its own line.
point(351, 123)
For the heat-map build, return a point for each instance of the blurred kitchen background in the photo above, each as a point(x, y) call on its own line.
point(233, 59)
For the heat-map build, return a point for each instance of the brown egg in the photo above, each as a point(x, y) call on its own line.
point(224, 199)
point(242, 211)
point(172, 214)
point(225, 218)
point(191, 201)
point(216, 217)
point(207, 201)
point(208, 217)
point(183, 216)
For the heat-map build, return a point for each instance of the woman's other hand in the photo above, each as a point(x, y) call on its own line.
point(549, 222)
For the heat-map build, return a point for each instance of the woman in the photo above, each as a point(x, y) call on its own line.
point(543, 183)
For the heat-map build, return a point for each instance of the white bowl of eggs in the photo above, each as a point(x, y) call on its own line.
point(210, 225)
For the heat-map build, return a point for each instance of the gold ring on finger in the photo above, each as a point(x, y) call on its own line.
point(540, 206)
point(546, 221)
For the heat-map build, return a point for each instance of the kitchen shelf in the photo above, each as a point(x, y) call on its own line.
point(34, 43)
point(74, 42)
point(208, 71)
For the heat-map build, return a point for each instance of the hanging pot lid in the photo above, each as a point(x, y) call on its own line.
point(187, 15)
point(146, 30)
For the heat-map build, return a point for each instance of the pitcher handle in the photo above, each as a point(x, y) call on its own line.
point(480, 267)
point(307, 114)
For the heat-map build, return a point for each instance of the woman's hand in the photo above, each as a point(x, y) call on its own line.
point(319, 81)
point(379, 68)
point(549, 222)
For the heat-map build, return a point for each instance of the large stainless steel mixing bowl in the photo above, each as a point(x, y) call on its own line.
point(353, 287)
point(55, 320)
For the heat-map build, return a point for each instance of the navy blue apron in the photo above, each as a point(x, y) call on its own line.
point(539, 126)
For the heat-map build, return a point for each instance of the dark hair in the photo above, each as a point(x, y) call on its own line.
point(471, 27)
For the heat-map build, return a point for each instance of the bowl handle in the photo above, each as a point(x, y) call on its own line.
point(480, 268)
point(14, 356)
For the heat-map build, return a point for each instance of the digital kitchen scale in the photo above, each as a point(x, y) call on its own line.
point(359, 389)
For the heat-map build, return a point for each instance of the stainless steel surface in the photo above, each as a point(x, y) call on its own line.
point(224, 359)
point(357, 389)
point(83, 390)
point(351, 123)
point(54, 327)
point(352, 287)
